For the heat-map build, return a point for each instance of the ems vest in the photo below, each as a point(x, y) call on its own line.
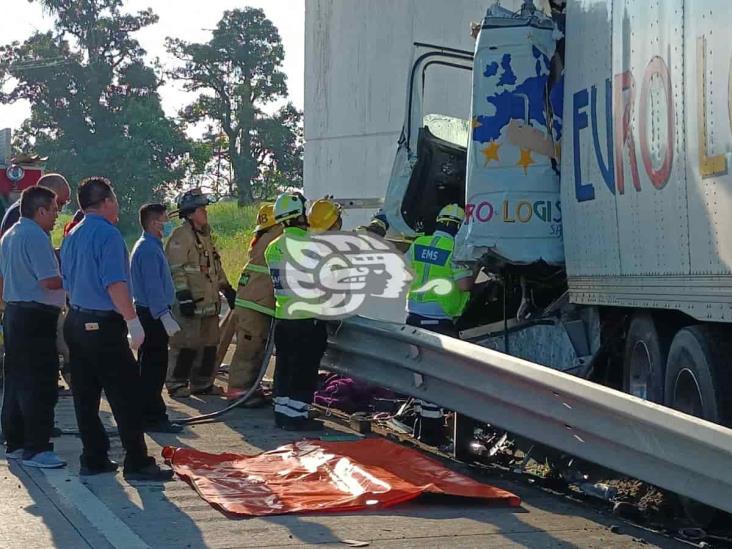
point(255, 290)
point(431, 258)
point(275, 256)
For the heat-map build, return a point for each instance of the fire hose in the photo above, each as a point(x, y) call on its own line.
point(213, 416)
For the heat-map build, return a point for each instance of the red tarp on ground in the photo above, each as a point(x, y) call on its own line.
point(312, 475)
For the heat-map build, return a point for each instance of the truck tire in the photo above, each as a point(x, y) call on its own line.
point(699, 383)
point(644, 361)
point(698, 376)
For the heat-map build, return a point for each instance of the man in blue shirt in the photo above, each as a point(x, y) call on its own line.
point(96, 275)
point(52, 181)
point(153, 292)
point(31, 289)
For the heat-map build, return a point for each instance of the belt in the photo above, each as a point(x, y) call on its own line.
point(35, 306)
point(96, 312)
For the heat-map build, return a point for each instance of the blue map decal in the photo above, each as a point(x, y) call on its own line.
point(512, 103)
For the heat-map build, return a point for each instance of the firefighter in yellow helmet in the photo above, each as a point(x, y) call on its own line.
point(325, 215)
point(431, 308)
point(300, 337)
point(254, 309)
point(198, 277)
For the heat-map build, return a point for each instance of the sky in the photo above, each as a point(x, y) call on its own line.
point(191, 20)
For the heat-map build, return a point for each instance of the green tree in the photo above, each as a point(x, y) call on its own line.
point(95, 108)
point(237, 73)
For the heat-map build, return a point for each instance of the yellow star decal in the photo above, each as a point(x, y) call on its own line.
point(476, 123)
point(491, 152)
point(526, 160)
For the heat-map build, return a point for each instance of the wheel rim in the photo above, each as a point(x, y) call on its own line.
point(687, 394)
point(640, 370)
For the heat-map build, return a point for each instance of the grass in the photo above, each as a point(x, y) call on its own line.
point(232, 228)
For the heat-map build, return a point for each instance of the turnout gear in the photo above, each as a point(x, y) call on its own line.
point(230, 295)
point(185, 303)
point(289, 206)
point(265, 218)
point(198, 277)
point(252, 314)
point(191, 200)
point(196, 268)
point(323, 215)
point(378, 225)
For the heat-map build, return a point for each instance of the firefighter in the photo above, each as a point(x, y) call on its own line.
point(300, 338)
point(429, 306)
point(378, 225)
point(198, 277)
point(254, 309)
point(325, 215)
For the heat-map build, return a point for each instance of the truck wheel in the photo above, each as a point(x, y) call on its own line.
point(646, 349)
point(699, 383)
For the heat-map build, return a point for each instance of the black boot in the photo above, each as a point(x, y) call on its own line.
point(208, 364)
point(184, 364)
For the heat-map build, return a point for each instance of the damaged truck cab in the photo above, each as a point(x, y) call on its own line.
point(596, 189)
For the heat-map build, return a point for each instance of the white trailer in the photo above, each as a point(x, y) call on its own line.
point(598, 212)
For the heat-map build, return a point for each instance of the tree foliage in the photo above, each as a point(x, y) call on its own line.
point(95, 108)
point(237, 73)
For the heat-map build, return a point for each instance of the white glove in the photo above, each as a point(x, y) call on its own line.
point(170, 325)
point(136, 333)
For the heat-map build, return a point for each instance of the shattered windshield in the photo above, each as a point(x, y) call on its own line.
point(448, 128)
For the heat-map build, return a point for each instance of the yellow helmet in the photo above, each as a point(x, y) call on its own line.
point(452, 213)
point(323, 215)
point(265, 217)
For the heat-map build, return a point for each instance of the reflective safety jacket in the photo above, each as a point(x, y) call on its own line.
point(434, 289)
point(255, 289)
point(196, 266)
point(276, 258)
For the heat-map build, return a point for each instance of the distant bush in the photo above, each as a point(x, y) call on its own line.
point(232, 228)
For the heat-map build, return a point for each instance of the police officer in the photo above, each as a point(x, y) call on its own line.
point(198, 277)
point(300, 338)
point(152, 288)
point(96, 275)
point(431, 258)
point(30, 283)
point(254, 309)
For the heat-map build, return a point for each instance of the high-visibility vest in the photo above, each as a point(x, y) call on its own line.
point(431, 258)
point(275, 257)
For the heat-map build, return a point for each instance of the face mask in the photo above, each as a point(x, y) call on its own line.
point(167, 229)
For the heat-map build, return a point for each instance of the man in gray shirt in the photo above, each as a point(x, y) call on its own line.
point(32, 290)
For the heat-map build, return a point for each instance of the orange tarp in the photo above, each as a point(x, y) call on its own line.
point(312, 475)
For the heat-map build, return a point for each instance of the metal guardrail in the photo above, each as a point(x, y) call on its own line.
point(680, 453)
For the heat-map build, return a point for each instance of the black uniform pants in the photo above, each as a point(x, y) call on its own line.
point(152, 359)
point(300, 347)
point(31, 377)
point(430, 423)
point(101, 359)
